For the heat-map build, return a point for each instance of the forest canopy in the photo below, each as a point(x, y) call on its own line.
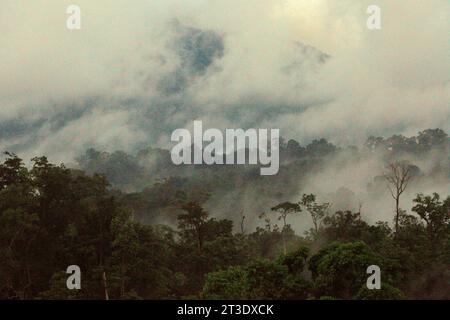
point(163, 240)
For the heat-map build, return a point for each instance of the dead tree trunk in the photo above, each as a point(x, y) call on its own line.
point(398, 175)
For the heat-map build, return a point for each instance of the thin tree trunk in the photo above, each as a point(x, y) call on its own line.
point(397, 213)
point(282, 235)
point(105, 285)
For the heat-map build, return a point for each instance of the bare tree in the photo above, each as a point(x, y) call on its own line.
point(398, 175)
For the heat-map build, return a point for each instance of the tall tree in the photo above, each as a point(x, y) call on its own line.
point(192, 222)
point(437, 218)
point(398, 175)
point(285, 209)
point(317, 211)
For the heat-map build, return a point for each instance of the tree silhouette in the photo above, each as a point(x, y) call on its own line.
point(398, 176)
point(317, 211)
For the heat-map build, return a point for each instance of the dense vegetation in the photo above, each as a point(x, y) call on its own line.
point(52, 217)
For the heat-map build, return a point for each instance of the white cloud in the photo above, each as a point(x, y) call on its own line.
point(394, 80)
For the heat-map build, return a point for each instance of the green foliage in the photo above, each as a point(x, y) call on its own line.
point(260, 279)
point(230, 283)
point(437, 218)
point(192, 223)
point(295, 261)
point(387, 292)
point(339, 269)
point(52, 217)
point(285, 209)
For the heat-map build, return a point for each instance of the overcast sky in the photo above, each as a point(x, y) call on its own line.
point(139, 69)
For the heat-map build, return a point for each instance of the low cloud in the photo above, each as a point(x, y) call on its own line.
point(136, 72)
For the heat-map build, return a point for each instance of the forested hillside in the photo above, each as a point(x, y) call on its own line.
point(347, 177)
point(141, 228)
